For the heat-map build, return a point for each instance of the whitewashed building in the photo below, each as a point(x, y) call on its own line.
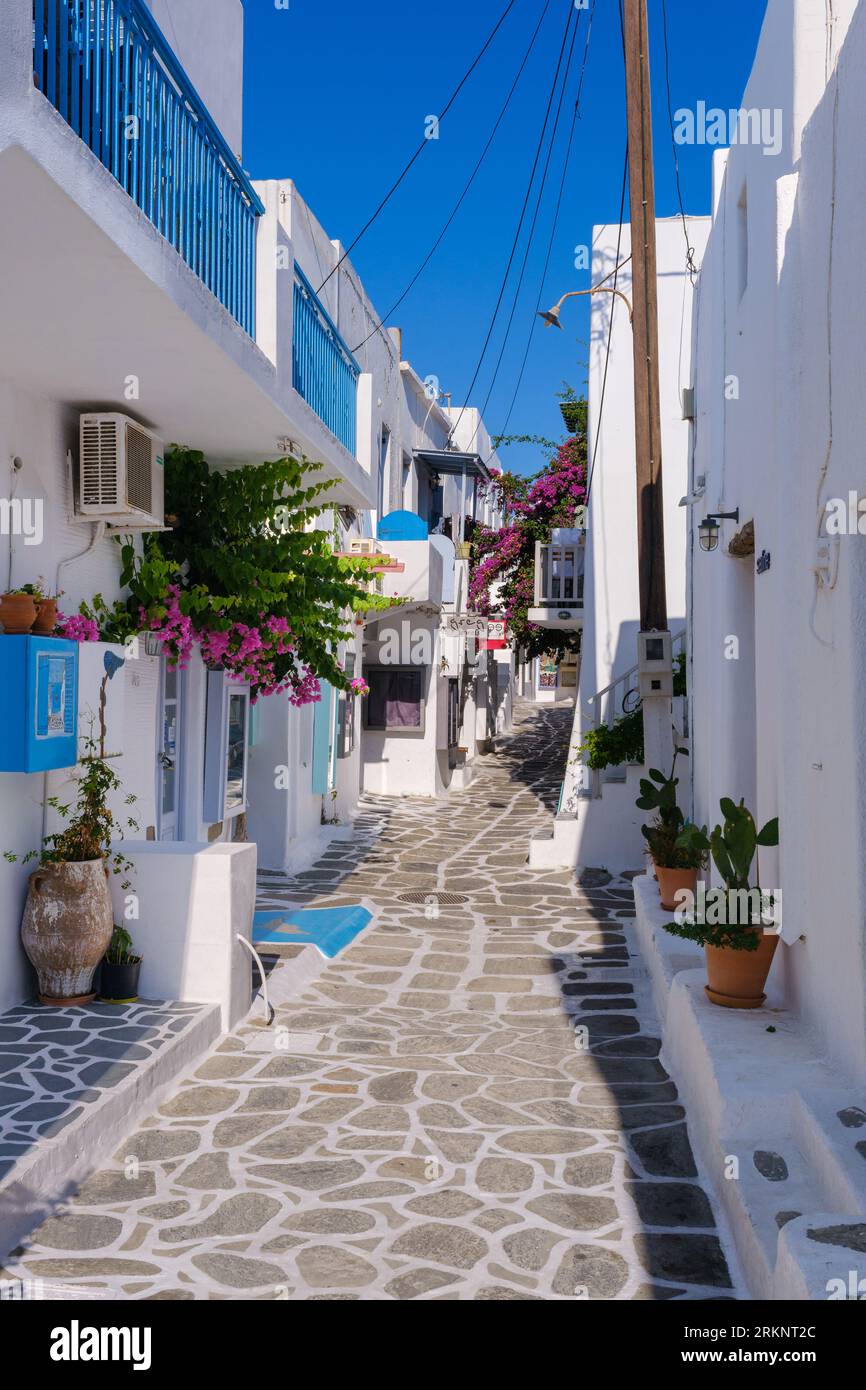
point(776, 655)
point(598, 824)
point(142, 274)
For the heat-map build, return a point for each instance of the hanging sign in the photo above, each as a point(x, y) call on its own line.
point(497, 638)
point(473, 624)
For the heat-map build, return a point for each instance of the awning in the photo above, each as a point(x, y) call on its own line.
point(450, 461)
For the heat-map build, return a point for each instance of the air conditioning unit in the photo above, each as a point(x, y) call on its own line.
point(363, 545)
point(120, 473)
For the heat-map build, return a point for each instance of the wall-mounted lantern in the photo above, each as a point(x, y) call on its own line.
point(708, 531)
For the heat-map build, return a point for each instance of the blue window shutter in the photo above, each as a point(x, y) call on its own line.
point(322, 739)
point(69, 703)
point(42, 671)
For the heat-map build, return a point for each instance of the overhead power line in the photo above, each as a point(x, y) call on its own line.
point(553, 229)
point(690, 250)
point(530, 238)
point(443, 113)
point(457, 206)
point(553, 86)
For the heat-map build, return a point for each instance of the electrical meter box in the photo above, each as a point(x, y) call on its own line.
point(655, 665)
point(38, 703)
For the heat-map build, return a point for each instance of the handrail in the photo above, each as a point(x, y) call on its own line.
point(351, 359)
point(325, 372)
point(169, 59)
point(110, 72)
point(596, 701)
point(678, 640)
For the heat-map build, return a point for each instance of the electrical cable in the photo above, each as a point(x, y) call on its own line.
point(434, 248)
point(553, 229)
point(443, 113)
point(591, 471)
point(690, 250)
point(521, 220)
point(531, 236)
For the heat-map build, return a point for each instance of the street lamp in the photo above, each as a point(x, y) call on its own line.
point(708, 531)
point(551, 316)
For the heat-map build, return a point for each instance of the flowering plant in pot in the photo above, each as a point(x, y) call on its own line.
point(17, 612)
point(121, 967)
point(46, 607)
point(676, 865)
point(68, 920)
point(730, 922)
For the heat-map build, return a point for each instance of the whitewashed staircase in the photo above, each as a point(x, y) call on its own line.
point(597, 824)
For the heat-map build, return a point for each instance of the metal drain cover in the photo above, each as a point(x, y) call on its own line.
point(443, 899)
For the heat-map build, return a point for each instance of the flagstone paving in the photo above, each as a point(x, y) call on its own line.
point(467, 1104)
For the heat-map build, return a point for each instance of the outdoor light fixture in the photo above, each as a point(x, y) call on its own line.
point(551, 316)
point(708, 531)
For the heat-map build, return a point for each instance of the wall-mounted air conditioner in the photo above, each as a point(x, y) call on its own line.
point(363, 545)
point(120, 473)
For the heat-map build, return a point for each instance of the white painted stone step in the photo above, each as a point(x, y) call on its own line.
point(774, 1185)
point(86, 1076)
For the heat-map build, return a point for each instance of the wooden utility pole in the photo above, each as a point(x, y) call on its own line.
point(647, 411)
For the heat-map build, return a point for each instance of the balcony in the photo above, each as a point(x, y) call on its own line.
point(324, 372)
point(113, 77)
point(559, 566)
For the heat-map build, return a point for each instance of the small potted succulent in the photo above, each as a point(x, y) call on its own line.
point(121, 968)
point(676, 865)
point(17, 612)
point(730, 922)
point(46, 607)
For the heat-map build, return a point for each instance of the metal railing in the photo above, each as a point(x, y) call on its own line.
point(110, 72)
point(608, 704)
point(559, 575)
point(324, 370)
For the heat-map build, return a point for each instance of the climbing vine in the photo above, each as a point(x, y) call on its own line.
point(243, 574)
point(503, 575)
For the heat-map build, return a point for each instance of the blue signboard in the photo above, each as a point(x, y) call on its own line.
point(38, 703)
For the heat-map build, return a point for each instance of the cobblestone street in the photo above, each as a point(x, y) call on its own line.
point(423, 1120)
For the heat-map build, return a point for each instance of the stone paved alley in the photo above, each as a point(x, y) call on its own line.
point(421, 1121)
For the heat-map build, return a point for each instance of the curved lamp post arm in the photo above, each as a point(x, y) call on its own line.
point(551, 316)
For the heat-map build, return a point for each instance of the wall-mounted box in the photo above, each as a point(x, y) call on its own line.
point(655, 664)
point(38, 703)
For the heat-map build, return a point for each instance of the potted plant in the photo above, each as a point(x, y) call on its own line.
point(739, 951)
point(118, 981)
point(46, 608)
point(68, 919)
point(17, 612)
point(676, 866)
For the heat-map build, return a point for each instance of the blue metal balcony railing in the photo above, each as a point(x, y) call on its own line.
point(107, 68)
point(324, 371)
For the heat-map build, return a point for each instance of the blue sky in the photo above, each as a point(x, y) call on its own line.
point(337, 93)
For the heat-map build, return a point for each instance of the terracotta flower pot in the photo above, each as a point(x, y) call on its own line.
point(736, 979)
point(671, 881)
point(17, 613)
point(67, 928)
point(46, 617)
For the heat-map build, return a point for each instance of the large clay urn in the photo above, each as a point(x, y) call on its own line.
point(67, 928)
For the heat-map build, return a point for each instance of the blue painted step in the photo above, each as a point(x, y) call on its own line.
point(329, 929)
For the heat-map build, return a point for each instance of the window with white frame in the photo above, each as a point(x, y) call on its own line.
point(396, 699)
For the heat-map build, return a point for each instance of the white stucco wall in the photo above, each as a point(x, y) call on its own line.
point(783, 723)
point(611, 591)
point(208, 38)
